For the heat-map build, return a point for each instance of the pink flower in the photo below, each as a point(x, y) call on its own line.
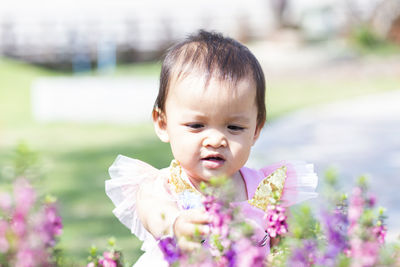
point(364, 253)
point(18, 225)
point(24, 245)
point(380, 233)
point(24, 196)
point(91, 264)
point(107, 263)
point(5, 201)
point(276, 221)
point(4, 246)
point(370, 253)
point(110, 259)
point(220, 217)
point(25, 258)
point(355, 208)
point(108, 255)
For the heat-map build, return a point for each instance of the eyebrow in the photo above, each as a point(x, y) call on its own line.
point(199, 116)
point(240, 118)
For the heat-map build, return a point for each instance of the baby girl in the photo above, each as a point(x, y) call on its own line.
point(211, 109)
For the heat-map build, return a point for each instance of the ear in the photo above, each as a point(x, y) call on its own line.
point(160, 125)
point(257, 134)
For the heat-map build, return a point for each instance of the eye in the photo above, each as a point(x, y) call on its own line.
point(195, 126)
point(235, 128)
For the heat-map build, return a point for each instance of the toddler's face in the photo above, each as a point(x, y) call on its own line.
point(211, 130)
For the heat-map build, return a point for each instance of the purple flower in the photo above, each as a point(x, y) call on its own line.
point(230, 256)
point(247, 254)
point(51, 225)
point(304, 256)
point(335, 227)
point(170, 249)
point(220, 243)
point(371, 201)
point(53, 220)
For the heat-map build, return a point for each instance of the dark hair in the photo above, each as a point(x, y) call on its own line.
point(217, 56)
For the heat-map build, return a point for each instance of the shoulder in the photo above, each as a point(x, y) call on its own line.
point(155, 186)
point(297, 180)
point(131, 177)
point(126, 167)
point(136, 188)
point(253, 177)
point(294, 170)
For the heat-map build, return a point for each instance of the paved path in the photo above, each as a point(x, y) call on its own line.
point(358, 136)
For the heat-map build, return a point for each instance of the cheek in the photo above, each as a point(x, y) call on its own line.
point(182, 145)
point(243, 141)
point(241, 148)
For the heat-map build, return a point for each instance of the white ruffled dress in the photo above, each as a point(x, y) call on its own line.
point(127, 174)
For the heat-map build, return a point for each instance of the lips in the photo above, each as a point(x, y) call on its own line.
point(213, 161)
point(213, 158)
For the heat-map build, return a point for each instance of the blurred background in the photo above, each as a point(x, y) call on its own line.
point(78, 80)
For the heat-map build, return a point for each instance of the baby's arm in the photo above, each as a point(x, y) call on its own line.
point(189, 228)
point(155, 208)
point(161, 216)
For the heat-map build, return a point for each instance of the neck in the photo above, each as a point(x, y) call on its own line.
point(180, 182)
point(236, 186)
point(240, 187)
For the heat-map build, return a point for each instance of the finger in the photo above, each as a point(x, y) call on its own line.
point(197, 216)
point(188, 245)
point(192, 224)
point(201, 229)
point(191, 229)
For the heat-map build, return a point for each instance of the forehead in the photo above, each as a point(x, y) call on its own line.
point(202, 82)
point(198, 90)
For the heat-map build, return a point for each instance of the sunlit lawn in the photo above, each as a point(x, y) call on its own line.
point(75, 157)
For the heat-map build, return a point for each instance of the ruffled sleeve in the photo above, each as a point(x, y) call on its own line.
point(300, 183)
point(296, 178)
point(126, 176)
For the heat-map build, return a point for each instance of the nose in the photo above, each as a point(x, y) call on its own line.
point(214, 138)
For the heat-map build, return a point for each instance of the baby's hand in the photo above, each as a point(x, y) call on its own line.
point(189, 227)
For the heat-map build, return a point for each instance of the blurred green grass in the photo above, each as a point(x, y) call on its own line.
point(285, 96)
point(75, 157)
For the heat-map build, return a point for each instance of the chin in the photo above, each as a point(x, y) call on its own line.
point(214, 173)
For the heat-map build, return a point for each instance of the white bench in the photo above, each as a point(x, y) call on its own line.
point(93, 100)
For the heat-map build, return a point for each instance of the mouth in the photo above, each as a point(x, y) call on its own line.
point(214, 158)
point(213, 161)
